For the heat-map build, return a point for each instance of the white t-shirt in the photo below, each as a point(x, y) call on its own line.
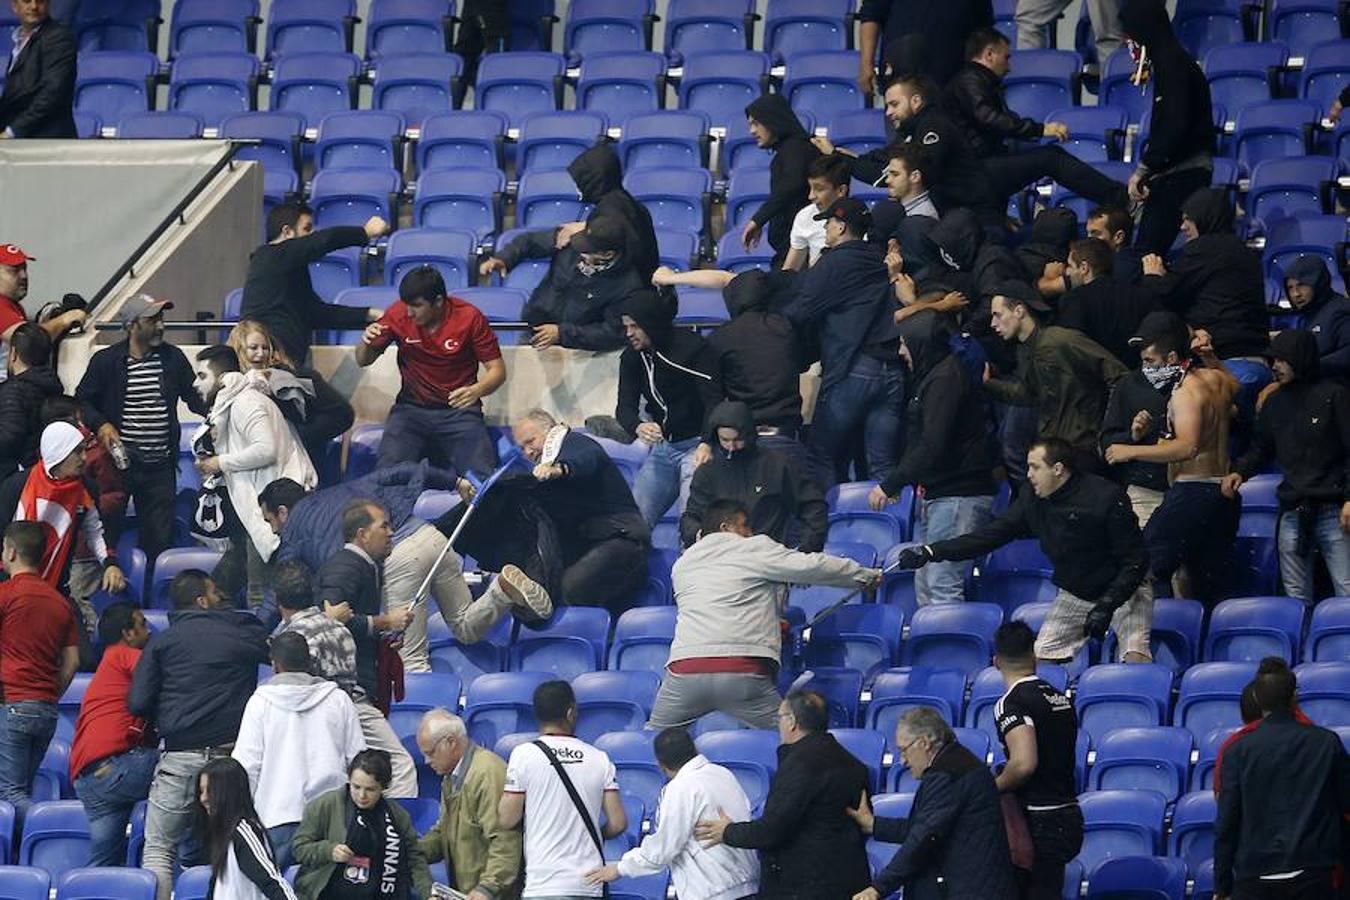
point(558, 847)
point(808, 234)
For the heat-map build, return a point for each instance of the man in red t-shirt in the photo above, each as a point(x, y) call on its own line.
point(441, 343)
point(112, 760)
point(39, 653)
point(13, 289)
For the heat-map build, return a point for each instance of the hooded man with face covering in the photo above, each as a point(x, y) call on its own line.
point(1304, 425)
point(776, 127)
point(948, 452)
point(599, 178)
point(1322, 312)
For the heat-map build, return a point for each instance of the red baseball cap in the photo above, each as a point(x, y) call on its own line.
point(11, 255)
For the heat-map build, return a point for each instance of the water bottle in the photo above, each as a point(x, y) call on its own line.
point(119, 455)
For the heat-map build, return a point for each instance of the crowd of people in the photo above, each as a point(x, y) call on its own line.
point(1122, 393)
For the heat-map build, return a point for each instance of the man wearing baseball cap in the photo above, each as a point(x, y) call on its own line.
point(847, 296)
point(13, 290)
point(130, 393)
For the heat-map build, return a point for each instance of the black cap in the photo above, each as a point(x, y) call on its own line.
point(601, 236)
point(854, 214)
point(1156, 326)
point(1023, 293)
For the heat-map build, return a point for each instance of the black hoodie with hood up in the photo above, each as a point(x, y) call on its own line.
point(793, 154)
point(1305, 426)
point(977, 268)
point(1215, 282)
point(1327, 315)
point(947, 445)
point(762, 479)
point(1051, 233)
point(676, 375)
point(1183, 129)
point(760, 355)
point(599, 177)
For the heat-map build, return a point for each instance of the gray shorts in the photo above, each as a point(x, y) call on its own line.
point(1061, 636)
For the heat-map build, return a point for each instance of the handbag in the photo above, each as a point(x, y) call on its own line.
point(1019, 833)
point(576, 801)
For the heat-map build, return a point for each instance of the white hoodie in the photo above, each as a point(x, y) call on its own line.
point(296, 738)
point(698, 791)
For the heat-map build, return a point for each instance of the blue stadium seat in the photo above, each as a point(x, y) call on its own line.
point(694, 26)
point(643, 887)
point(1175, 638)
point(670, 139)
point(897, 690)
point(1209, 695)
point(868, 747)
point(733, 257)
point(891, 806)
point(423, 692)
point(278, 132)
point(721, 84)
point(527, 272)
point(796, 26)
point(899, 779)
point(750, 754)
point(363, 298)
point(114, 24)
point(450, 251)
point(747, 189)
point(1204, 882)
point(315, 84)
point(214, 26)
point(551, 140)
point(739, 149)
point(849, 499)
point(858, 130)
point(469, 661)
point(613, 701)
point(424, 811)
point(1329, 631)
point(1324, 692)
point(633, 757)
point(351, 196)
point(1251, 628)
point(87, 125)
point(700, 306)
point(642, 639)
point(519, 83)
point(417, 85)
point(360, 139)
point(470, 138)
point(172, 561)
point(1274, 130)
point(468, 199)
point(364, 444)
point(503, 304)
point(678, 199)
point(604, 26)
point(1138, 877)
point(55, 836)
point(399, 27)
point(678, 249)
point(1153, 758)
point(1202, 776)
point(1326, 72)
point(546, 199)
point(531, 24)
point(1192, 838)
point(106, 884)
point(571, 642)
point(1121, 695)
point(861, 636)
point(1117, 91)
point(1096, 133)
point(52, 781)
point(310, 26)
point(509, 742)
point(954, 635)
point(1241, 74)
point(1282, 188)
point(336, 272)
point(621, 84)
point(111, 83)
point(1203, 24)
point(1302, 229)
point(987, 689)
point(823, 82)
point(1253, 561)
point(24, 882)
point(840, 686)
point(159, 126)
point(1014, 574)
point(1303, 23)
point(1120, 823)
point(500, 703)
point(68, 706)
point(214, 85)
point(1042, 81)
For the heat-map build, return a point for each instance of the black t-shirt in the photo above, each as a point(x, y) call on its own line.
point(1037, 704)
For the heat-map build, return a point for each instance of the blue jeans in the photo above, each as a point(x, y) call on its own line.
point(1334, 544)
point(26, 728)
point(279, 836)
point(871, 397)
point(664, 478)
point(108, 791)
point(940, 519)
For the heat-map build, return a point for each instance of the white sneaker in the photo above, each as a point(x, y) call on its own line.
point(525, 592)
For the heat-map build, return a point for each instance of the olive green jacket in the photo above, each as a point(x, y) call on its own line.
point(324, 826)
point(482, 853)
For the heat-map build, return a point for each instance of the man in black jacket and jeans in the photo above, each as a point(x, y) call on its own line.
point(192, 683)
point(809, 848)
point(31, 381)
point(1286, 791)
point(776, 127)
point(278, 291)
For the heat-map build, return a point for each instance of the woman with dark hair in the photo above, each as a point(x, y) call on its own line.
point(242, 867)
point(353, 843)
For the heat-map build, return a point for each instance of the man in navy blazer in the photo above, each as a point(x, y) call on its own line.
point(39, 77)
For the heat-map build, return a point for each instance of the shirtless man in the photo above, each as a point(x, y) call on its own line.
point(1196, 523)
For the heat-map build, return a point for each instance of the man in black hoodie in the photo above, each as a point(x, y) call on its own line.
point(780, 499)
point(599, 178)
point(1305, 426)
point(1178, 158)
point(776, 127)
point(31, 380)
point(1321, 311)
point(673, 370)
point(948, 452)
point(1106, 310)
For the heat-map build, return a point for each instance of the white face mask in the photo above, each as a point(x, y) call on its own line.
point(1164, 376)
point(589, 269)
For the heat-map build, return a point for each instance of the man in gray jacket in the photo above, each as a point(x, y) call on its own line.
point(729, 588)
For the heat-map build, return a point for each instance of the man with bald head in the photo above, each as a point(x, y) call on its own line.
point(468, 836)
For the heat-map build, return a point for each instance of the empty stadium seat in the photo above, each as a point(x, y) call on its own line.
point(1273, 130)
point(111, 83)
point(214, 26)
point(732, 257)
point(954, 635)
point(1192, 836)
point(361, 298)
point(310, 26)
point(1209, 695)
point(181, 126)
point(450, 251)
point(1203, 24)
point(360, 139)
point(678, 199)
point(571, 642)
point(1329, 631)
point(694, 26)
point(1120, 695)
point(1283, 188)
point(546, 199)
point(1042, 81)
point(1153, 758)
point(613, 701)
point(1326, 72)
point(278, 134)
point(1014, 574)
point(1117, 90)
point(470, 138)
point(352, 196)
point(519, 83)
point(669, 139)
point(842, 689)
point(469, 661)
point(504, 304)
point(422, 692)
point(604, 26)
point(640, 887)
point(633, 757)
point(1324, 691)
point(862, 636)
point(868, 747)
point(1251, 628)
point(746, 190)
point(621, 84)
point(858, 130)
point(55, 836)
point(551, 140)
point(214, 85)
point(1138, 877)
point(403, 27)
point(106, 884)
point(315, 84)
point(24, 882)
point(642, 639)
point(750, 754)
point(897, 690)
point(1303, 23)
point(1241, 74)
point(174, 560)
point(1096, 133)
point(1120, 823)
point(796, 26)
point(720, 84)
point(501, 703)
point(417, 85)
point(823, 82)
point(468, 199)
point(115, 24)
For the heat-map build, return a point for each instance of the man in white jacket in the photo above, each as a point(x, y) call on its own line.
point(697, 789)
point(730, 588)
point(297, 736)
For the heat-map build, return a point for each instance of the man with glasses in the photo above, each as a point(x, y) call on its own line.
point(485, 857)
point(953, 844)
